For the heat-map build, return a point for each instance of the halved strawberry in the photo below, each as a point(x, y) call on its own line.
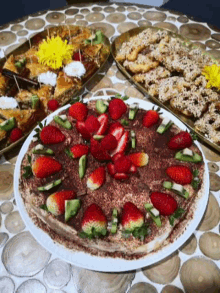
point(139, 159)
point(96, 179)
point(180, 174)
point(122, 144)
point(92, 124)
point(93, 219)
point(117, 108)
point(116, 129)
point(44, 167)
point(103, 120)
point(117, 156)
point(123, 164)
point(109, 142)
point(180, 141)
point(79, 150)
point(56, 201)
point(121, 176)
point(131, 217)
point(51, 135)
point(150, 118)
point(81, 128)
point(164, 203)
point(78, 111)
point(133, 169)
point(98, 152)
point(111, 169)
point(78, 56)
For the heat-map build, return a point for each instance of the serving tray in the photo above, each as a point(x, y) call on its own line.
point(116, 46)
point(71, 93)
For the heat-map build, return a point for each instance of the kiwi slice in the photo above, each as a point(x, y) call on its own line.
point(157, 219)
point(71, 208)
point(8, 124)
point(49, 185)
point(82, 166)
point(114, 221)
point(64, 123)
point(35, 102)
point(101, 106)
point(196, 158)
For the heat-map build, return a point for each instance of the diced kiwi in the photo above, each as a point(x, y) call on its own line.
point(71, 208)
point(101, 106)
point(162, 128)
point(114, 221)
point(132, 112)
point(98, 137)
point(64, 123)
point(196, 158)
point(49, 185)
point(157, 219)
point(8, 124)
point(133, 140)
point(167, 184)
point(35, 102)
point(82, 166)
point(43, 152)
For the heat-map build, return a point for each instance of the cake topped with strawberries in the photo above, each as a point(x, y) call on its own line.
point(112, 179)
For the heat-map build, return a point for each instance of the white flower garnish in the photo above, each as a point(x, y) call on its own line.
point(48, 78)
point(8, 103)
point(75, 68)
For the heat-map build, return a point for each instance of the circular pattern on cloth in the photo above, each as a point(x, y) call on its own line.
point(212, 44)
point(82, 22)
point(16, 27)
point(213, 167)
point(3, 239)
point(6, 285)
point(33, 286)
point(55, 17)
point(6, 181)
point(7, 38)
point(144, 23)
point(109, 9)
point(22, 33)
point(171, 289)
point(71, 11)
point(195, 31)
point(6, 207)
point(106, 28)
point(200, 45)
point(14, 223)
point(189, 247)
point(155, 16)
point(84, 11)
point(214, 181)
point(34, 24)
point(215, 53)
point(96, 9)
point(120, 9)
point(209, 244)
point(167, 25)
point(134, 15)
point(183, 19)
point(116, 17)
point(125, 26)
point(142, 288)
point(95, 16)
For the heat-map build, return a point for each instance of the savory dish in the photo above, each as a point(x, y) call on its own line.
point(181, 76)
point(38, 81)
point(111, 179)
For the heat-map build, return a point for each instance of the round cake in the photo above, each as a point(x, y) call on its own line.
point(111, 179)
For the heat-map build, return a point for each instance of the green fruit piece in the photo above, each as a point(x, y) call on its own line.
point(43, 152)
point(162, 128)
point(132, 111)
point(82, 166)
point(114, 221)
point(196, 158)
point(101, 106)
point(157, 219)
point(98, 137)
point(64, 123)
point(8, 124)
point(99, 37)
point(167, 184)
point(49, 185)
point(71, 208)
point(133, 140)
point(35, 102)
point(18, 64)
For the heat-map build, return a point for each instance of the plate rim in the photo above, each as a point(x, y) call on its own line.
point(106, 264)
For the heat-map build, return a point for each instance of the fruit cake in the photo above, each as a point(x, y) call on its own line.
point(111, 179)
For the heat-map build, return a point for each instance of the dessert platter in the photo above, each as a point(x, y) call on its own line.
point(45, 73)
point(111, 184)
point(176, 74)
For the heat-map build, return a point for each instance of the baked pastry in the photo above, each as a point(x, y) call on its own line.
point(111, 179)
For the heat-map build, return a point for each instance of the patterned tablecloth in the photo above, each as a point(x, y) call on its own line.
point(27, 267)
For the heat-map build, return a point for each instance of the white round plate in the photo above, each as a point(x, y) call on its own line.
point(107, 264)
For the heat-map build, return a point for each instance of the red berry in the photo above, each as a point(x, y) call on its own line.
point(92, 124)
point(81, 128)
point(180, 174)
point(122, 143)
point(103, 120)
point(123, 165)
point(117, 108)
point(139, 159)
point(79, 150)
point(78, 111)
point(98, 152)
point(121, 176)
point(56, 201)
point(15, 134)
point(111, 169)
point(44, 167)
point(131, 217)
point(117, 156)
point(96, 179)
point(116, 129)
point(78, 57)
point(53, 105)
point(150, 118)
point(51, 135)
point(109, 142)
point(180, 141)
point(164, 203)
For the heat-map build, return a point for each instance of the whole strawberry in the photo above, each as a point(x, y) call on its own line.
point(180, 174)
point(78, 150)
point(78, 111)
point(15, 134)
point(116, 129)
point(92, 124)
point(180, 141)
point(56, 201)
point(117, 108)
point(94, 219)
point(98, 151)
point(81, 128)
point(150, 118)
point(139, 159)
point(44, 167)
point(51, 135)
point(131, 217)
point(96, 179)
point(53, 105)
point(109, 142)
point(164, 203)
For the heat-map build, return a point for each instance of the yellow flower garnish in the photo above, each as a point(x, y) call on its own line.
point(212, 74)
point(53, 51)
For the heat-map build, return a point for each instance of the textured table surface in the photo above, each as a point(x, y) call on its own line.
point(27, 267)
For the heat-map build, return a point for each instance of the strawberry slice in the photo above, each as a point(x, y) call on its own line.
point(96, 179)
point(121, 176)
point(133, 169)
point(180, 174)
point(150, 118)
point(93, 218)
point(56, 201)
point(117, 156)
point(98, 152)
point(78, 111)
point(79, 150)
point(111, 169)
point(123, 164)
point(139, 159)
point(44, 167)
point(117, 108)
point(109, 142)
point(92, 124)
point(116, 129)
point(51, 135)
point(78, 57)
point(131, 217)
point(81, 128)
point(103, 120)
point(122, 144)
point(180, 141)
point(164, 203)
